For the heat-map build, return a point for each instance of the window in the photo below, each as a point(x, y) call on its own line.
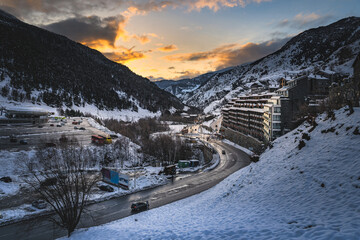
point(277, 110)
point(276, 125)
point(276, 118)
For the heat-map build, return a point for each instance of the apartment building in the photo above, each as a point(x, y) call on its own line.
point(245, 114)
point(272, 119)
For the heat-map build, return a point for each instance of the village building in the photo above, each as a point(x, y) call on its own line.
point(24, 115)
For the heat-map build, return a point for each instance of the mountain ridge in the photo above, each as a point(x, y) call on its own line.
point(310, 51)
point(41, 67)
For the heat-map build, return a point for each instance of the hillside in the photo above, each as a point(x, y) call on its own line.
point(181, 88)
point(40, 67)
point(311, 193)
point(306, 53)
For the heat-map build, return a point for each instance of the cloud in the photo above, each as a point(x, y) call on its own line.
point(168, 48)
point(88, 29)
point(155, 79)
point(124, 55)
point(41, 12)
point(301, 21)
point(215, 5)
point(188, 74)
point(231, 54)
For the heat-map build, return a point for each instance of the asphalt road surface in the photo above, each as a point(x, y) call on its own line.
point(110, 210)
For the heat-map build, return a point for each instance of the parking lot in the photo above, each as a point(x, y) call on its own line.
point(40, 135)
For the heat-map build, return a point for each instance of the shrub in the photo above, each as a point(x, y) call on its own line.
point(306, 136)
point(301, 144)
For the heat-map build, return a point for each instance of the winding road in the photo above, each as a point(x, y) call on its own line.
point(113, 209)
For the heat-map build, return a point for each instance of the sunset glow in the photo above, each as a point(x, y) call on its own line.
point(178, 39)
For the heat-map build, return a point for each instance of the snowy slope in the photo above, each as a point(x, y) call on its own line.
point(185, 87)
point(306, 53)
point(312, 193)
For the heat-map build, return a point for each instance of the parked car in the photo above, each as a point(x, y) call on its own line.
point(76, 127)
point(51, 124)
point(82, 128)
point(140, 206)
point(106, 188)
point(23, 142)
point(39, 204)
point(40, 126)
point(58, 125)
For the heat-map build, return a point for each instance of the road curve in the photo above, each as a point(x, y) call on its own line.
point(113, 209)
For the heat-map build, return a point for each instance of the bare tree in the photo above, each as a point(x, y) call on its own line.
point(61, 178)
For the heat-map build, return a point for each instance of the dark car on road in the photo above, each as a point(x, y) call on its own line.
point(23, 142)
point(140, 206)
point(106, 188)
point(39, 204)
point(82, 128)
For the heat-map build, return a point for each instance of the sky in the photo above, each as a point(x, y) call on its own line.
point(177, 39)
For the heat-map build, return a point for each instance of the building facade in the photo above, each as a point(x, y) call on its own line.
point(272, 119)
point(246, 115)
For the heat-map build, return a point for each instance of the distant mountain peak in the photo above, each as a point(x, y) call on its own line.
point(331, 48)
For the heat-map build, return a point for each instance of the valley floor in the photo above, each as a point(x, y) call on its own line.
point(311, 193)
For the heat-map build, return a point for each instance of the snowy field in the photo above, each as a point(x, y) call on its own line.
point(147, 177)
point(311, 193)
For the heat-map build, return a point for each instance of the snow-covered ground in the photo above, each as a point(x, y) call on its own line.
point(311, 193)
point(125, 115)
point(146, 177)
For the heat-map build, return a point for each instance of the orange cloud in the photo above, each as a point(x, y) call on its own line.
point(168, 48)
point(231, 54)
point(117, 54)
point(124, 56)
point(305, 20)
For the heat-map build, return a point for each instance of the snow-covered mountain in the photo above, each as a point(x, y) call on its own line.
point(331, 48)
point(291, 193)
point(38, 67)
point(182, 88)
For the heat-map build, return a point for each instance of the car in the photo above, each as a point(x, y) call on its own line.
point(140, 206)
point(51, 125)
point(23, 142)
point(82, 128)
point(40, 126)
point(39, 204)
point(223, 151)
point(106, 188)
point(76, 127)
point(58, 125)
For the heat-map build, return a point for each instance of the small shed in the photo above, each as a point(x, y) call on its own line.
point(183, 163)
point(194, 163)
